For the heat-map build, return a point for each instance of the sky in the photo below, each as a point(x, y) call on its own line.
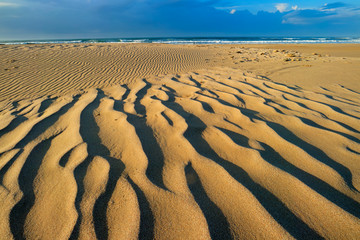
point(67, 19)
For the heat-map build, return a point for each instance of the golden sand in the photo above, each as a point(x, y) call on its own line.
point(128, 141)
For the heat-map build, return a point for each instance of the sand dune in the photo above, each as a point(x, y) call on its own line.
point(217, 152)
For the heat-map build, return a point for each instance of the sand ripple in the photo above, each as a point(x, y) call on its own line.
point(208, 154)
point(24, 69)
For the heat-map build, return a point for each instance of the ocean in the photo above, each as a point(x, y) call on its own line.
point(198, 40)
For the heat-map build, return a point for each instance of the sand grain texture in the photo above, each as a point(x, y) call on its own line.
point(181, 142)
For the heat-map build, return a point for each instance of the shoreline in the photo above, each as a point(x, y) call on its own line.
point(198, 40)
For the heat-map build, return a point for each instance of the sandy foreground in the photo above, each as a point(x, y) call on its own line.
point(128, 141)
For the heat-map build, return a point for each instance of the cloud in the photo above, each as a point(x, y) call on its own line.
point(306, 16)
point(336, 13)
point(166, 18)
point(7, 4)
point(330, 6)
point(281, 7)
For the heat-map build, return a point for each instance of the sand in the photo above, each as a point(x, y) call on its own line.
point(150, 141)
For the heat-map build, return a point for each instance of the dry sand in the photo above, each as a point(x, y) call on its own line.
point(127, 141)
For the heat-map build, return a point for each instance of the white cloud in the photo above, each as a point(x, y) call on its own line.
point(233, 11)
point(252, 8)
point(281, 7)
point(336, 12)
point(7, 4)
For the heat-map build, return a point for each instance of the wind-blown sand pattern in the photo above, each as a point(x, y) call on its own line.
point(68, 67)
point(216, 152)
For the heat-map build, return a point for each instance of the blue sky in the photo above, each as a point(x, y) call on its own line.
point(46, 19)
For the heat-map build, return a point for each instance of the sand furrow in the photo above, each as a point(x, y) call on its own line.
point(130, 141)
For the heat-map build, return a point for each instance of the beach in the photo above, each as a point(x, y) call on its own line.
point(158, 141)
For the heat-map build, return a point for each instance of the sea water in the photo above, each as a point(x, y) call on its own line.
point(198, 40)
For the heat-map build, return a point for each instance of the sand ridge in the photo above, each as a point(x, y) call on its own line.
point(219, 152)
